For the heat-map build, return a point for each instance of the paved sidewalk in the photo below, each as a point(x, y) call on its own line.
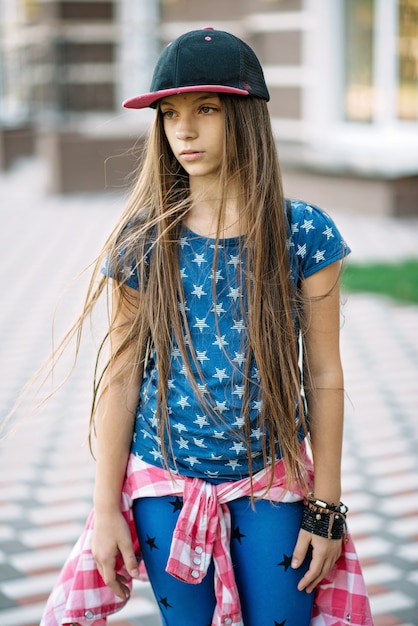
point(46, 472)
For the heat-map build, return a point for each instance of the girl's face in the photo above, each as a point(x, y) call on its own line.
point(194, 124)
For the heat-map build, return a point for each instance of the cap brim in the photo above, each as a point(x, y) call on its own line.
point(150, 99)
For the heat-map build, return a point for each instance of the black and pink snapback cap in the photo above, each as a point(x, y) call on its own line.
point(204, 60)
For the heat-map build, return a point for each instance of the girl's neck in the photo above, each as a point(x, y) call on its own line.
point(205, 213)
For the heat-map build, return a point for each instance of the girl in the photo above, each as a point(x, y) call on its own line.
point(224, 358)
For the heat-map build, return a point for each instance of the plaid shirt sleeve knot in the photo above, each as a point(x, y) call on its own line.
point(81, 598)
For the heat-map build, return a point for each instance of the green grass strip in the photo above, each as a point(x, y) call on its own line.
point(396, 280)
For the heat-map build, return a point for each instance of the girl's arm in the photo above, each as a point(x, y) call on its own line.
point(114, 427)
point(324, 388)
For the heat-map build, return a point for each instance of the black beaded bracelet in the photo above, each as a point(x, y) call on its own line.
point(323, 519)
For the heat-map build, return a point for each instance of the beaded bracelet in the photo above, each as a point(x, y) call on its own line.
point(323, 519)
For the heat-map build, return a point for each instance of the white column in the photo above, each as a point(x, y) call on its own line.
point(385, 61)
point(139, 44)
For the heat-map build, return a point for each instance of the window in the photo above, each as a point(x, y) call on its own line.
point(407, 48)
point(380, 61)
point(359, 59)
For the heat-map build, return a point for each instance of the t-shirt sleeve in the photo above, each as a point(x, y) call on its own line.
point(315, 240)
point(124, 271)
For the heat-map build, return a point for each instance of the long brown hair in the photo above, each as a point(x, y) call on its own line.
point(159, 201)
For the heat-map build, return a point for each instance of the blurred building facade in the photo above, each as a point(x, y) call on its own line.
point(343, 78)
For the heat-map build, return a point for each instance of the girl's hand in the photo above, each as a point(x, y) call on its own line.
point(111, 538)
point(325, 553)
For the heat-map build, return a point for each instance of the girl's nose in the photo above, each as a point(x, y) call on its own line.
point(185, 130)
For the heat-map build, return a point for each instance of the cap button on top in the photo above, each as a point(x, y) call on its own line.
point(208, 28)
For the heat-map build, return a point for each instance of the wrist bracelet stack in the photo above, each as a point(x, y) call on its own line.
point(323, 519)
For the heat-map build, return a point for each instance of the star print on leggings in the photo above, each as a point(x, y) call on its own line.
point(236, 534)
point(165, 603)
point(176, 504)
point(287, 560)
point(151, 542)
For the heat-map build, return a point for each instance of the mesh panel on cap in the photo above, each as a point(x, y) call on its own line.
point(251, 73)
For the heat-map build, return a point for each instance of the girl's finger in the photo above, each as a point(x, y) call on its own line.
point(301, 549)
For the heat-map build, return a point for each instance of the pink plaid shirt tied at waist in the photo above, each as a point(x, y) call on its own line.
point(203, 530)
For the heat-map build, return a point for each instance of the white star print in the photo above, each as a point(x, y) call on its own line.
point(201, 356)
point(234, 293)
point(220, 374)
point(301, 251)
point(200, 443)
point(199, 259)
point(157, 455)
point(182, 307)
point(201, 420)
point(238, 447)
point(258, 405)
point(198, 291)
point(239, 326)
point(308, 225)
point(239, 358)
point(180, 427)
point(200, 324)
point(256, 375)
point(218, 309)
point(146, 434)
point(183, 242)
point(216, 276)
point(192, 460)
point(239, 421)
point(202, 388)
point(215, 458)
point(211, 474)
point(183, 272)
point(220, 342)
point(183, 444)
point(256, 432)
point(221, 406)
point(234, 260)
point(319, 255)
point(239, 391)
point(233, 464)
point(219, 434)
point(183, 402)
point(328, 232)
point(127, 272)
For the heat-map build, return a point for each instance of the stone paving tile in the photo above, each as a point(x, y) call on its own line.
point(46, 471)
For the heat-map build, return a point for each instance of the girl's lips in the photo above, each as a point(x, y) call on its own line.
point(191, 155)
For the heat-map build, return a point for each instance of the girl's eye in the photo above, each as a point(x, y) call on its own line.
point(168, 114)
point(207, 109)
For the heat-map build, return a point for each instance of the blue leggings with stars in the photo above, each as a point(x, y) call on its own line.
point(262, 543)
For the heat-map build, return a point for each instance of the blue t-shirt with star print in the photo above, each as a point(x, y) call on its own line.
point(211, 443)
